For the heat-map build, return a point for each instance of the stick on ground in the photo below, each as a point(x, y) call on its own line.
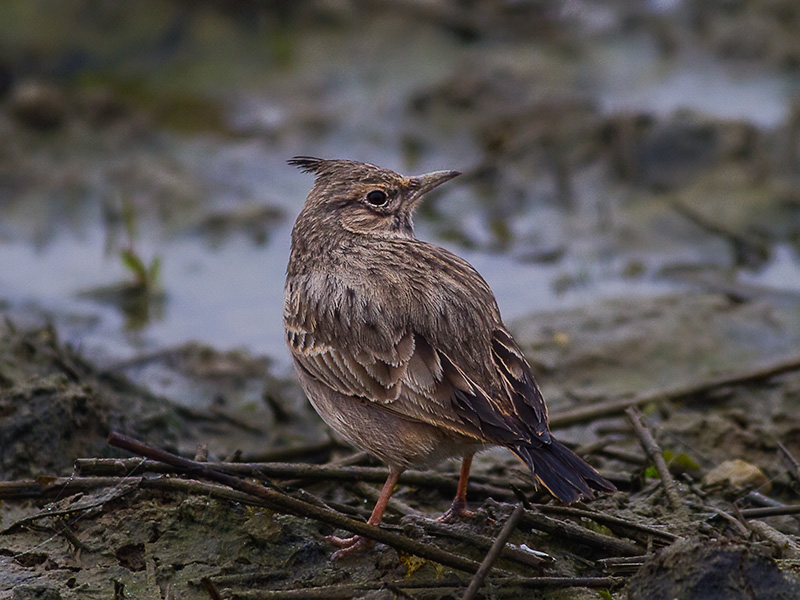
point(650, 446)
point(284, 503)
point(791, 461)
point(300, 471)
point(494, 552)
point(615, 407)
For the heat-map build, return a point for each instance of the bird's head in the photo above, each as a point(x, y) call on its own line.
point(365, 198)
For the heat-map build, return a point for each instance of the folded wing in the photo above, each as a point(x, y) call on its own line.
point(422, 383)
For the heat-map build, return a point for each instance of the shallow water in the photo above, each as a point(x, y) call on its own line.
point(629, 76)
point(338, 94)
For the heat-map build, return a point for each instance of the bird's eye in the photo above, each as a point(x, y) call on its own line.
point(377, 197)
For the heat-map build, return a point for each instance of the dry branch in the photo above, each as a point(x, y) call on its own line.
point(770, 511)
point(615, 407)
point(791, 461)
point(484, 542)
point(494, 552)
point(281, 471)
point(47, 486)
point(281, 502)
point(616, 524)
point(347, 591)
point(650, 446)
point(576, 533)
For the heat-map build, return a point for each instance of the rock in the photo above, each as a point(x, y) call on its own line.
point(703, 569)
point(263, 528)
point(101, 107)
point(36, 591)
point(738, 474)
point(675, 150)
point(54, 407)
point(38, 105)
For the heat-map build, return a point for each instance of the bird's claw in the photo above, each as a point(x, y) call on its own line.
point(457, 512)
point(349, 545)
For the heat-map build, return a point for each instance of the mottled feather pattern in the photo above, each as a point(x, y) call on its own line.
point(376, 317)
point(501, 404)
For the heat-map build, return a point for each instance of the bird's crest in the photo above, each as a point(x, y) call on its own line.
point(308, 164)
point(340, 169)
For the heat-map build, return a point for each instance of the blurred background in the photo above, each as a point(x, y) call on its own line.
point(624, 148)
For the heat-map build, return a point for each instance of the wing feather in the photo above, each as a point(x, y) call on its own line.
point(422, 383)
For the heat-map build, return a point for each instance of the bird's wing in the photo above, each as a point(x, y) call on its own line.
point(421, 382)
point(413, 381)
point(515, 412)
point(364, 374)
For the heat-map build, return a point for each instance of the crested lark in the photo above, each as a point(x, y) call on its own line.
point(399, 344)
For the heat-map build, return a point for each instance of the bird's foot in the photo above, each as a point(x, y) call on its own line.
point(351, 545)
point(457, 512)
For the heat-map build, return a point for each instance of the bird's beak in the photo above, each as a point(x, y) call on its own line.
point(423, 184)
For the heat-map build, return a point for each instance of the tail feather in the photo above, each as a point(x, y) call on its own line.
point(562, 472)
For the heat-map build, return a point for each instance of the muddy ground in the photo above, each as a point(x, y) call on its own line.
point(125, 541)
point(640, 251)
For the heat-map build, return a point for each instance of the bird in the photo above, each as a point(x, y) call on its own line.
point(399, 344)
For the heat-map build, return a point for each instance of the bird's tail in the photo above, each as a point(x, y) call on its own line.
point(565, 475)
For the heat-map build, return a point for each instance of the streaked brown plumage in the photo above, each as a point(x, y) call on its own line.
point(399, 344)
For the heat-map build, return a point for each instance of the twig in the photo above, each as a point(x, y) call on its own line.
point(280, 470)
point(614, 407)
point(623, 564)
point(614, 523)
point(83, 505)
point(592, 447)
point(284, 503)
point(787, 547)
point(39, 488)
point(295, 452)
point(346, 591)
point(650, 446)
point(580, 534)
point(215, 415)
point(64, 486)
point(398, 593)
point(210, 588)
point(340, 591)
point(360, 512)
point(484, 542)
point(622, 455)
point(738, 524)
point(364, 490)
point(601, 447)
point(738, 521)
point(352, 460)
point(792, 462)
point(70, 536)
point(249, 579)
point(71, 485)
point(494, 552)
point(760, 499)
point(771, 511)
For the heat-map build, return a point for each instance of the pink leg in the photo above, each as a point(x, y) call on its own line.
point(458, 510)
point(357, 543)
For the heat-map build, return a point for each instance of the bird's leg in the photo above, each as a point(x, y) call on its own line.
point(458, 510)
point(357, 542)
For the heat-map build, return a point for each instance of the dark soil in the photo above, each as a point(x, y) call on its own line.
point(146, 543)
